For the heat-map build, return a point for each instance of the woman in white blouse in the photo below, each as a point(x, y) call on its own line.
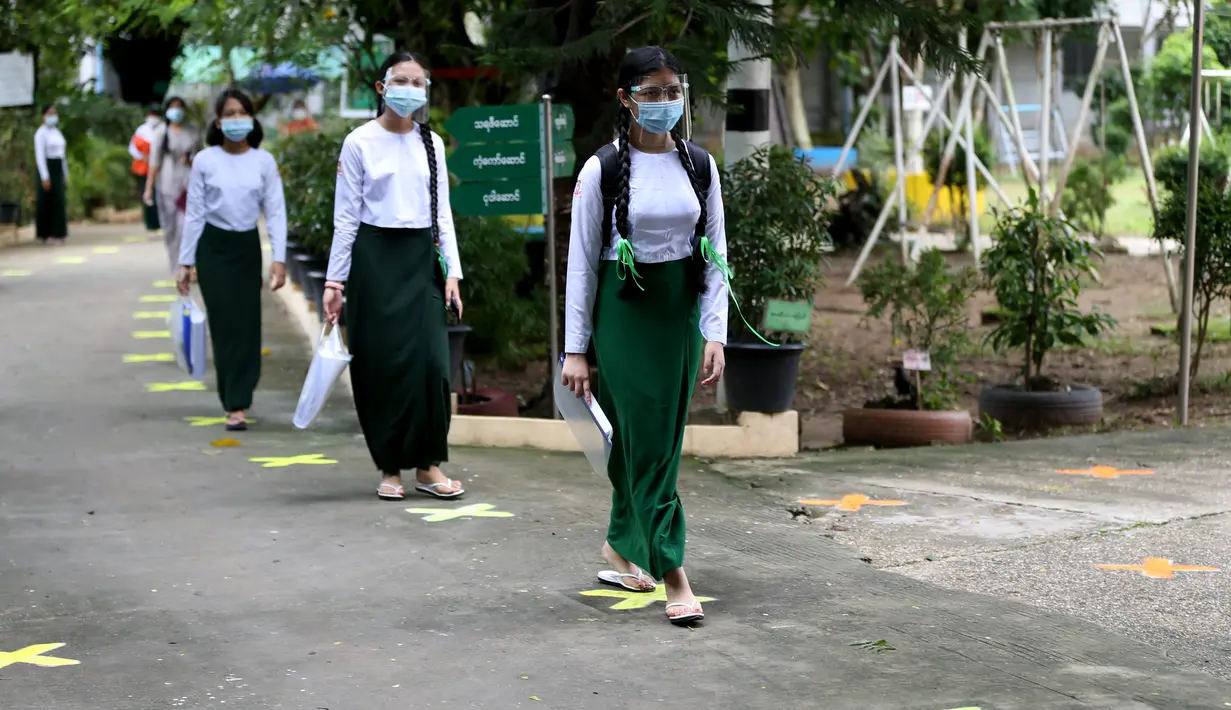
point(232, 183)
point(174, 144)
point(51, 205)
point(646, 280)
point(395, 254)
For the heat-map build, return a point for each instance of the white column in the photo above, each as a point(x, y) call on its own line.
point(748, 99)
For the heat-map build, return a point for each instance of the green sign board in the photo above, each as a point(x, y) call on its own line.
point(498, 197)
point(520, 123)
point(788, 316)
point(563, 159)
point(496, 161)
point(562, 123)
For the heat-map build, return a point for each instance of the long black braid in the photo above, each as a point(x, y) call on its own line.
point(697, 269)
point(624, 157)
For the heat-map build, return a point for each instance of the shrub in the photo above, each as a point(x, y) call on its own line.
point(1087, 194)
point(1171, 167)
point(955, 177)
point(99, 176)
point(308, 162)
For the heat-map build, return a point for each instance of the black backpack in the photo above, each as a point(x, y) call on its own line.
point(609, 161)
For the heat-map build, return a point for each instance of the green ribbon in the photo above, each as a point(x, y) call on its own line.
point(625, 266)
point(711, 256)
point(444, 264)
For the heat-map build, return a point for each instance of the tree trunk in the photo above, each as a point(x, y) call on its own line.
point(796, 111)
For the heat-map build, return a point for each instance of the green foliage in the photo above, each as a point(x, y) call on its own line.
point(1171, 167)
point(1036, 268)
point(926, 306)
point(99, 176)
point(955, 176)
point(308, 162)
point(1169, 79)
point(1087, 194)
point(1212, 256)
point(508, 327)
point(777, 231)
point(17, 172)
point(101, 117)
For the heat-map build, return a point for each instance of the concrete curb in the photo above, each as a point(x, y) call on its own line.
point(755, 436)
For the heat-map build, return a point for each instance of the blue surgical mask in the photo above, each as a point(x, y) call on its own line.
point(175, 114)
point(52, 121)
point(660, 117)
point(405, 100)
point(237, 129)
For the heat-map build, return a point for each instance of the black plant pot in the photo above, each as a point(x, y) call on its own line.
point(307, 262)
point(10, 212)
point(761, 378)
point(314, 291)
point(457, 350)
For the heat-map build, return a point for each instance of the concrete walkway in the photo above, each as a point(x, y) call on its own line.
point(267, 575)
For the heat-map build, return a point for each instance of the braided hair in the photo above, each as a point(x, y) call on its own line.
point(637, 63)
point(425, 133)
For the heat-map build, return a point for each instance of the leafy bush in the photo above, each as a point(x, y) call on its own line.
point(926, 305)
point(1036, 268)
point(99, 176)
point(17, 172)
point(955, 177)
point(1171, 168)
point(308, 162)
point(777, 232)
point(1087, 194)
point(1212, 257)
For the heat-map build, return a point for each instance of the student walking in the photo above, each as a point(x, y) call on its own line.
point(645, 286)
point(139, 148)
point(395, 256)
point(232, 183)
point(174, 145)
point(51, 202)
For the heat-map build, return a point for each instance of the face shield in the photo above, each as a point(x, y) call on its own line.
point(663, 105)
point(409, 91)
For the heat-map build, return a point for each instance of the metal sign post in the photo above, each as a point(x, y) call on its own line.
point(549, 236)
point(1190, 237)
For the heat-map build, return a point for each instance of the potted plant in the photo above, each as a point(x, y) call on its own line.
point(1036, 269)
point(926, 306)
point(777, 238)
point(308, 162)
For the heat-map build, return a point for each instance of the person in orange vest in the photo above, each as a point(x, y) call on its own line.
point(301, 120)
point(139, 148)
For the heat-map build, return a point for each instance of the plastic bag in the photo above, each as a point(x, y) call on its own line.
point(327, 366)
point(590, 426)
point(188, 332)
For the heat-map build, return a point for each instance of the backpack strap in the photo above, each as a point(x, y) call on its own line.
point(700, 158)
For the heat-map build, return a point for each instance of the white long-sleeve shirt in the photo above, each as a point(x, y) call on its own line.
point(146, 131)
point(662, 216)
point(49, 144)
point(230, 192)
point(383, 180)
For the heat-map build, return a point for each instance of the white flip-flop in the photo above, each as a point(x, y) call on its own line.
point(431, 489)
point(615, 579)
point(694, 609)
point(390, 491)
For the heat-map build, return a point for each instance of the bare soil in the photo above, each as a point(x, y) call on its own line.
point(850, 358)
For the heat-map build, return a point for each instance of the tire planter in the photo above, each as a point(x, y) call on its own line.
point(1019, 411)
point(487, 402)
point(905, 427)
point(761, 378)
point(10, 212)
point(314, 291)
point(457, 351)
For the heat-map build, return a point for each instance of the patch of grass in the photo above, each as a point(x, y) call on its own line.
point(1130, 216)
point(1219, 332)
point(1168, 386)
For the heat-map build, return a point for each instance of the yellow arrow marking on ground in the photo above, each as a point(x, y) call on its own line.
point(165, 283)
point(852, 502)
point(635, 600)
point(476, 510)
point(15, 272)
point(210, 421)
point(159, 298)
point(284, 461)
point(1160, 568)
point(190, 386)
point(136, 240)
point(1104, 472)
point(34, 656)
point(151, 334)
point(106, 250)
point(71, 260)
point(156, 357)
point(151, 315)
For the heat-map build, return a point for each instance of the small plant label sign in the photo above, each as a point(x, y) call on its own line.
point(788, 316)
point(916, 361)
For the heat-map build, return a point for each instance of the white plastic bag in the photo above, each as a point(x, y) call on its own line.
point(590, 425)
point(188, 333)
point(327, 366)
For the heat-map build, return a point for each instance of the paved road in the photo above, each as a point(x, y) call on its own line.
point(180, 574)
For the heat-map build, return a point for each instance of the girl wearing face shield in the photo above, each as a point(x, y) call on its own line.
point(646, 289)
point(394, 256)
point(232, 183)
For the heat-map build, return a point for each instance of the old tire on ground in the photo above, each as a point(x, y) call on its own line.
point(905, 427)
point(1018, 410)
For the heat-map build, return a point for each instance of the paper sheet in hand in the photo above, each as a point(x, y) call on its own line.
point(590, 426)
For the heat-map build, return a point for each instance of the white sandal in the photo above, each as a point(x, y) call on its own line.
point(616, 579)
point(695, 613)
point(391, 491)
point(431, 489)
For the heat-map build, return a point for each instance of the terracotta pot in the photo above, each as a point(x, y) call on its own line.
point(905, 427)
point(488, 402)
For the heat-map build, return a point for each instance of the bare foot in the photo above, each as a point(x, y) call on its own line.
point(644, 582)
point(435, 475)
point(679, 591)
